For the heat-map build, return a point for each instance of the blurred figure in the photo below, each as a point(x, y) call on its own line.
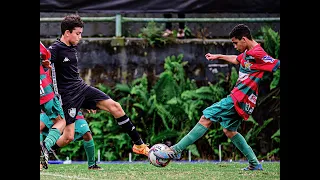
point(82, 132)
point(168, 31)
point(49, 104)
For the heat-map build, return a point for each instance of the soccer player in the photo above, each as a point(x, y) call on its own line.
point(76, 93)
point(49, 104)
point(82, 132)
point(239, 104)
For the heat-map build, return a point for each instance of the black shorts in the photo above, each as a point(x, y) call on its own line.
point(86, 97)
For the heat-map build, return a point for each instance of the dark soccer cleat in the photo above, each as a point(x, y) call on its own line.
point(95, 167)
point(253, 168)
point(44, 157)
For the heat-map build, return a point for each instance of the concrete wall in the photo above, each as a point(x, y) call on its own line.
point(100, 62)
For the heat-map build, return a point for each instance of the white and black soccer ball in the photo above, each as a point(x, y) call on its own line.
point(154, 160)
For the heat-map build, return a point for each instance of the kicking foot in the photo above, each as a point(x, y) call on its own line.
point(141, 149)
point(168, 153)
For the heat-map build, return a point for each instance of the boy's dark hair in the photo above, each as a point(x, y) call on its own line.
point(240, 31)
point(70, 22)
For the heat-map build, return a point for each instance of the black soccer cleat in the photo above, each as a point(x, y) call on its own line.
point(44, 155)
point(95, 167)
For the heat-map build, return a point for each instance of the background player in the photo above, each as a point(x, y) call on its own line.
point(49, 104)
point(82, 132)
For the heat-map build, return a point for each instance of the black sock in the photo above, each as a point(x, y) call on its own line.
point(129, 128)
point(55, 147)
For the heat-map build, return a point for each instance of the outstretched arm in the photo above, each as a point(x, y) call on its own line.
point(229, 58)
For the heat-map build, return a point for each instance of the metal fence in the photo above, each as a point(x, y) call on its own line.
point(119, 19)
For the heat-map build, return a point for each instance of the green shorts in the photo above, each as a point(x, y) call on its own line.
point(224, 113)
point(81, 126)
point(52, 108)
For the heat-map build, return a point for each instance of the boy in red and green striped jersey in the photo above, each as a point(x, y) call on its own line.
point(49, 104)
point(239, 104)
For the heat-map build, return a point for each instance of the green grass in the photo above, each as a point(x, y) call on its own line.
point(175, 170)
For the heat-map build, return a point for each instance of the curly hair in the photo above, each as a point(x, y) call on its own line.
point(70, 22)
point(240, 31)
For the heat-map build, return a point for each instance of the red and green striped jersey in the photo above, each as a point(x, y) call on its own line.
point(46, 90)
point(253, 64)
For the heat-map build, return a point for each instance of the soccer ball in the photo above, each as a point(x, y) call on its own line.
point(154, 160)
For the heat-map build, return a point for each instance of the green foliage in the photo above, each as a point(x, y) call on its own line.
point(276, 136)
point(194, 150)
point(276, 79)
point(233, 77)
point(272, 47)
point(152, 33)
point(271, 41)
point(187, 32)
point(254, 131)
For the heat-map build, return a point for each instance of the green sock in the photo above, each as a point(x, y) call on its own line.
point(197, 132)
point(52, 138)
point(89, 148)
point(239, 141)
point(41, 137)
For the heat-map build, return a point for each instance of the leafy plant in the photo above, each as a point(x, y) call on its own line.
point(272, 47)
point(152, 33)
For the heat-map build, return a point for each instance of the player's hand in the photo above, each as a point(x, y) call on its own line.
point(212, 56)
point(46, 63)
point(91, 111)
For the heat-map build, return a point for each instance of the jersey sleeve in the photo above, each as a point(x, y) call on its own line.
point(264, 62)
point(239, 57)
point(45, 54)
point(53, 51)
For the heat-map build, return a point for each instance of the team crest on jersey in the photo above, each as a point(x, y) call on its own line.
point(72, 112)
point(267, 58)
point(247, 65)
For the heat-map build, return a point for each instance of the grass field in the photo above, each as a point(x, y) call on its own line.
point(175, 170)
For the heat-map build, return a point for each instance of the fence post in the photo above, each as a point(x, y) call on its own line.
point(98, 155)
point(118, 25)
point(130, 157)
point(219, 152)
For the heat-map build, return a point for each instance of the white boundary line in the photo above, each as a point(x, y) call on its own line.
point(57, 175)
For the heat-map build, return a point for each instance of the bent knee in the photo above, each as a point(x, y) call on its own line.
point(228, 133)
point(205, 122)
point(116, 106)
point(109, 105)
point(87, 136)
point(68, 139)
